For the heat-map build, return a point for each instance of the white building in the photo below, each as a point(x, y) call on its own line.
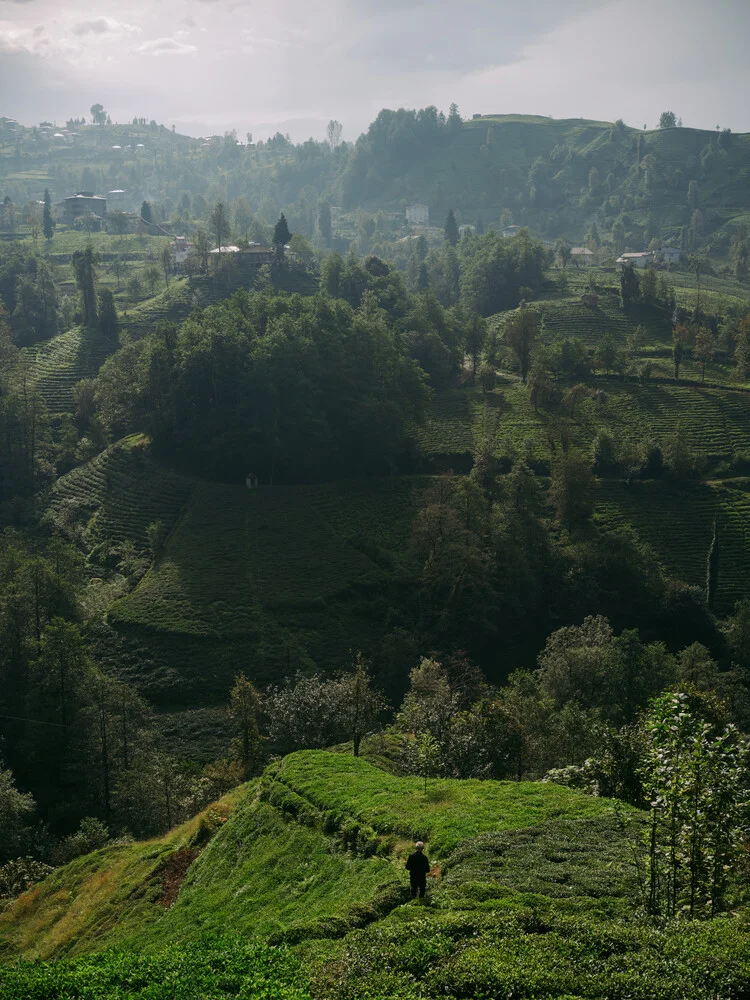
point(509, 232)
point(418, 215)
point(116, 199)
point(640, 260)
point(180, 250)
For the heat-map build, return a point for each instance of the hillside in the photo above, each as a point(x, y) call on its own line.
point(534, 893)
point(557, 176)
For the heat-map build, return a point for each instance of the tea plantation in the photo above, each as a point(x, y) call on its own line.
point(295, 887)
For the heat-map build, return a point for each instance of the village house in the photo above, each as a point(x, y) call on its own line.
point(640, 260)
point(669, 255)
point(76, 205)
point(509, 232)
point(581, 256)
point(180, 250)
point(418, 215)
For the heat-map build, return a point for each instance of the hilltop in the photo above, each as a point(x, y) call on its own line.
point(534, 891)
point(560, 177)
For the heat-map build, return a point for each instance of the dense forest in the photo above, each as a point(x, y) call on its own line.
point(455, 499)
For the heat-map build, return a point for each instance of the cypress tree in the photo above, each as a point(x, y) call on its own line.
point(48, 223)
point(451, 229)
point(109, 322)
point(712, 569)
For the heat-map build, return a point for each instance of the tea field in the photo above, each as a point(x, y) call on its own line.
point(295, 888)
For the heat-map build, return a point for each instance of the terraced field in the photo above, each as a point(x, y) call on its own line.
point(56, 365)
point(117, 495)
point(677, 521)
point(236, 554)
point(713, 421)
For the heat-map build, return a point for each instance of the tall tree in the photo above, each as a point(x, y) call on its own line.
point(146, 213)
point(219, 224)
point(520, 334)
point(48, 223)
point(84, 268)
point(281, 236)
point(667, 119)
point(109, 322)
point(451, 229)
point(324, 222)
point(244, 710)
point(333, 132)
point(98, 114)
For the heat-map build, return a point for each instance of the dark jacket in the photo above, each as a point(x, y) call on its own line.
point(417, 863)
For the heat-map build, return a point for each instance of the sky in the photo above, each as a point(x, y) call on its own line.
point(207, 66)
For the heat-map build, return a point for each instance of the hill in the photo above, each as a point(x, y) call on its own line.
point(534, 893)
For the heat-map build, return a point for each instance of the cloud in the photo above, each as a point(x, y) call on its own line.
point(167, 47)
point(102, 26)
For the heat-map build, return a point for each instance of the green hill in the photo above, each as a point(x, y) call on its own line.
point(534, 894)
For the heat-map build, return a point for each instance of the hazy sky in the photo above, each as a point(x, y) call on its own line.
point(209, 65)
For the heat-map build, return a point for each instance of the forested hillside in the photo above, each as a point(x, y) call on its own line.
point(440, 491)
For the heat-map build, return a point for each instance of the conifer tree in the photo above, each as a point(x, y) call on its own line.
point(451, 229)
point(48, 223)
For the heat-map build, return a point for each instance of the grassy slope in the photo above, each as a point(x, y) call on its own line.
point(271, 870)
point(535, 897)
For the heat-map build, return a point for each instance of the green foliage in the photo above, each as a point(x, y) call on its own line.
point(695, 778)
point(219, 966)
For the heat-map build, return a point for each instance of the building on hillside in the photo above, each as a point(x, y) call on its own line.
point(253, 255)
point(76, 205)
point(509, 232)
point(418, 215)
point(117, 199)
point(466, 230)
point(581, 256)
point(640, 260)
point(669, 255)
point(180, 251)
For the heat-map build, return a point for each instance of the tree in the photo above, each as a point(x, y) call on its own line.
point(243, 217)
point(712, 569)
point(281, 234)
point(219, 225)
point(16, 809)
point(694, 772)
point(606, 353)
point(324, 222)
point(630, 288)
point(146, 215)
point(118, 223)
point(109, 322)
point(678, 352)
point(84, 268)
point(571, 490)
point(244, 710)
point(48, 223)
point(563, 251)
point(451, 229)
point(705, 348)
point(333, 133)
point(167, 262)
point(668, 119)
point(98, 114)
point(361, 705)
point(454, 118)
point(520, 334)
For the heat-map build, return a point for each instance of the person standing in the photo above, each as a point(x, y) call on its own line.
point(418, 866)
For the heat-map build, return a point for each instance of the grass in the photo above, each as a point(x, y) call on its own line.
point(450, 812)
point(535, 895)
point(98, 899)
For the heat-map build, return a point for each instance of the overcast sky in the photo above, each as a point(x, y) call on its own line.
point(291, 65)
